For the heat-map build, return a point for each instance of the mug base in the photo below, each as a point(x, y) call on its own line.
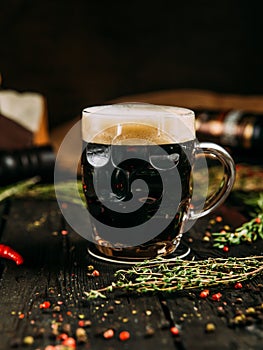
point(181, 252)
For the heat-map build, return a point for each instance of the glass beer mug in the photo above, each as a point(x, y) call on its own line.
point(139, 180)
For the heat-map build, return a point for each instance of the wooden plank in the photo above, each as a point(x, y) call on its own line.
point(192, 313)
point(55, 270)
point(30, 230)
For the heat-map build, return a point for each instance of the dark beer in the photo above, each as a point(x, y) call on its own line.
point(145, 179)
point(114, 169)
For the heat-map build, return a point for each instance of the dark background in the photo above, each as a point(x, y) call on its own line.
point(81, 53)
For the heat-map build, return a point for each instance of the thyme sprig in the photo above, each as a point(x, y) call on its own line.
point(249, 231)
point(160, 275)
point(18, 188)
point(31, 188)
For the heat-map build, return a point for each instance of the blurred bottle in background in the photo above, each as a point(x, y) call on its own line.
point(25, 149)
point(238, 131)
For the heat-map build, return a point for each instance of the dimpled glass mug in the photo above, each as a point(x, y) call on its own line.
point(139, 180)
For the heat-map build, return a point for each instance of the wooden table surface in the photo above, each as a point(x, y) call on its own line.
point(55, 270)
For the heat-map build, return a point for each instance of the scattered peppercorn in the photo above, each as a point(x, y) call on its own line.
point(257, 220)
point(45, 305)
point(174, 330)
point(56, 308)
point(81, 335)
point(64, 232)
point(148, 312)
point(204, 293)
point(87, 323)
point(62, 336)
point(28, 340)
point(210, 327)
point(124, 335)
point(208, 233)
point(221, 311)
point(219, 219)
point(70, 342)
point(95, 273)
point(239, 300)
point(239, 319)
point(216, 297)
point(149, 331)
point(108, 334)
point(250, 310)
point(238, 285)
point(225, 248)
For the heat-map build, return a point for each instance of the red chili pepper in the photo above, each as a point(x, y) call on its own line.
point(9, 253)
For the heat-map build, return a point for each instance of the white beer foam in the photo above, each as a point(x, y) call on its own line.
point(133, 123)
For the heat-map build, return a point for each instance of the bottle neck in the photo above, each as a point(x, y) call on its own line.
point(22, 164)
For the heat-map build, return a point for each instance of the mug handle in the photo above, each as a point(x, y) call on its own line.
point(214, 200)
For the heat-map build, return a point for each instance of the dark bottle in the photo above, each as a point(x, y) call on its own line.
point(22, 164)
point(239, 131)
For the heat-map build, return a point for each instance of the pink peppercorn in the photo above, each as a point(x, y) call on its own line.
point(124, 335)
point(95, 273)
point(70, 342)
point(216, 297)
point(45, 305)
point(174, 330)
point(219, 219)
point(108, 334)
point(238, 285)
point(204, 293)
point(63, 336)
point(81, 323)
point(257, 220)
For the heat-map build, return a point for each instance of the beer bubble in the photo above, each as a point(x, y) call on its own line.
point(98, 156)
point(164, 162)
